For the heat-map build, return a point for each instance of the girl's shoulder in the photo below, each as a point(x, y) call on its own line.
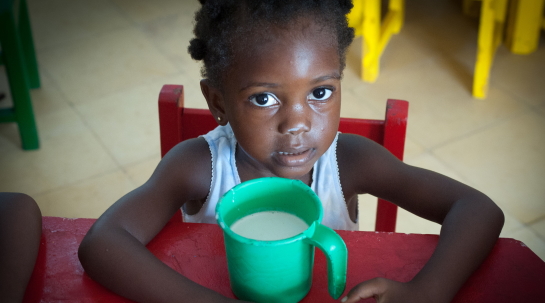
point(361, 160)
point(353, 148)
point(186, 167)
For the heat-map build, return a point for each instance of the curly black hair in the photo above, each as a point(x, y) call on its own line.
point(221, 23)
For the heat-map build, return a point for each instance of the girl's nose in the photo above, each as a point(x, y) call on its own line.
point(296, 120)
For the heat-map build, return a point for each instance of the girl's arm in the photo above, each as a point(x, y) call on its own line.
point(113, 252)
point(20, 231)
point(471, 222)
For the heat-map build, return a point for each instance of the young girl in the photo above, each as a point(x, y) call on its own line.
point(272, 72)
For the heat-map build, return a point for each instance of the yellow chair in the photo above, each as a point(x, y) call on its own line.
point(524, 25)
point(491, 27)
point(365, 18)
point(522, 37)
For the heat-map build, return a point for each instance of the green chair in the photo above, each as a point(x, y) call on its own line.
point(17, 54)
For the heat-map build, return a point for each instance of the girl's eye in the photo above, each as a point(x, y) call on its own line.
point(320, 94)
point(263, 100)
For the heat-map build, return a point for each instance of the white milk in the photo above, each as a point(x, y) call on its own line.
point(269, 226)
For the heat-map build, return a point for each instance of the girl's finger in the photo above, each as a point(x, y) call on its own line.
point(364, 290)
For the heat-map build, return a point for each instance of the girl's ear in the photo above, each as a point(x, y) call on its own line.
point(216, 103)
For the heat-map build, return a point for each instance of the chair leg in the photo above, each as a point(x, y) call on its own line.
point(386, 216)
point(524, 25)
point(397, 9)
point(27, 126)
point(27, 44)
point(491, 26)
point(371, 38)
point(15, 69)
point(376, 35)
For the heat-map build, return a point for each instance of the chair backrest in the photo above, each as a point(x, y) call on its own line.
point(178, 123)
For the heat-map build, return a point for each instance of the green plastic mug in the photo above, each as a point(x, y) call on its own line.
point(280, 270)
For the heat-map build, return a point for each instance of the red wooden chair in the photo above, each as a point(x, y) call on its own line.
point(178, 123)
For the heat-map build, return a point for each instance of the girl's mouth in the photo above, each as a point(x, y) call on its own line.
point(291, 154)
point(295, 158)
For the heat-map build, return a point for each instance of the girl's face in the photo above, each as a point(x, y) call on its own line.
point(282, 98)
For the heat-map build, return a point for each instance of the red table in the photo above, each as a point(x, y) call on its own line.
point(512, 272)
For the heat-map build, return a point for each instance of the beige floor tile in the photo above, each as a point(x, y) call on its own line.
point(367, 212)
point(406, 221)
point(412, 224)
point(47, 98)
point(412, 149)
point(530, 239)
point(141, 11)
point(127, 122)
point(171, 35)
point(69, 153)
point(521, 75)
point(440, 109)
point(511, 224)
point(541, 109)
point(506, 162)
point(140, 172)
point(10, 141)
point(445, 32)
point(406, 50)
point(86, 199)
point(352, 106)
point(539, 228)
point(109, 63)
point(56, 22)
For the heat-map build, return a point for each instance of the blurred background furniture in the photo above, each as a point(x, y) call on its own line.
point(178, 123)
point(491, 27)
point(522, 20)
point(365, 18)
point(524, 25)
point(18, 56)
point(515, 22)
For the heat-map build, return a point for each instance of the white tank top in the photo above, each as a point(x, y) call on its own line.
point(325, 181)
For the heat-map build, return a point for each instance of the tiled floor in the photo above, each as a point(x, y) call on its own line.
point(103, 63)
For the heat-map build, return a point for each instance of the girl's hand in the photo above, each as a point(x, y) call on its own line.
point(385, 291)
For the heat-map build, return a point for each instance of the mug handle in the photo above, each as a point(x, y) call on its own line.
point(334, 248)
